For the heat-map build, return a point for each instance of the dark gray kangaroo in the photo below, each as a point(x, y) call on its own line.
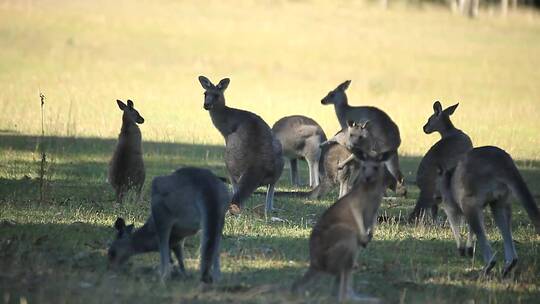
point(444, 154)
point(253, 156)
point(126, 168)
point(381, 126)
point(486, 176)
point(300, 138)
point(183, 203)
point(345, 227)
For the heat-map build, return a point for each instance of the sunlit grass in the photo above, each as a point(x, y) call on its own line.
point(282, 58)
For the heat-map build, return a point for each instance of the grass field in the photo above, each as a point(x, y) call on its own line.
point(282, 58)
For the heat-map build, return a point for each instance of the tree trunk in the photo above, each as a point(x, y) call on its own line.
point(473, 8)
point(504, 7)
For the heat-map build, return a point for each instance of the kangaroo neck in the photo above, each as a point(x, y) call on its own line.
point(341, 109)
point(129, 127)
point(222, 119)
point(144, 239)
point(448, 130)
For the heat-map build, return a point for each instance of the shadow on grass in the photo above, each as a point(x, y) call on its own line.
point(67, 262)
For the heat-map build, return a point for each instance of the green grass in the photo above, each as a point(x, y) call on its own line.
point(282, 58)
point(56, 251)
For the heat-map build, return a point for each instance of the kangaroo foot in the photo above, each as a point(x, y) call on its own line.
point(489, 266)
point(508, 267)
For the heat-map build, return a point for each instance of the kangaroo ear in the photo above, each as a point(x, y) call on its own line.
point(223, 84)
point(365, 124)
point(351, 123)
point(450, 110)
point(437, 108)
point(120, 224)
point(121, 105)
point(344, 85)
point(206, 83)
point(130, 103)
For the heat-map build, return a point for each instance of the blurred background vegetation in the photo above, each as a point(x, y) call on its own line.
point(282, 58)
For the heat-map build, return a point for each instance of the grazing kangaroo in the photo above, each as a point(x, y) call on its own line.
point(126, 168)
point(300, 138)
point(345, 227)
point(253, 156)
point(486, 176)
point(445, 153)
point(183, 203)
point(383, 129)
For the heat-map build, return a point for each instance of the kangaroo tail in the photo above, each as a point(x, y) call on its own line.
point(521, 191)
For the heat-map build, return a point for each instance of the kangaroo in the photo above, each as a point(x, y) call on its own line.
point(486, 176)
point(184, 202)
point(253, 156)
point(345, 227)
point(126, 168)
point(340, 165)
point(383, 129)
point(445, 153)
point(300, 138)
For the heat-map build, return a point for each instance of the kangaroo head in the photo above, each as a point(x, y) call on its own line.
point(372, 165)
point(130, 114)
point(358, 137)
point(337, 96)
point(121, 250)
point(213, 94)
point(440, 119)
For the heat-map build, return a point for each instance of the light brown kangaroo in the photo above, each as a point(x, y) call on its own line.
point(486, 176)
point(345, 227)
point(381, 126)
point(300, 138)
point(443, 154)
point(126, 168)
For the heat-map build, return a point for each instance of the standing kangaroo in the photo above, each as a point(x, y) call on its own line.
point(253, 156)
point(383, 129)
point(182, 203)
point(340, 165)
point(126, 168)
point(486, 176)
point(300, 138)
point(444, 154)
point(345, 227)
